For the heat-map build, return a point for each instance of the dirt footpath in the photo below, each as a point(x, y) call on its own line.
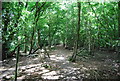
point(102, 66)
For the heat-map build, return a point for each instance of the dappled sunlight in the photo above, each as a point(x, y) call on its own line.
point(51, 77)
point(6, 71)
point(30, 70)
point(14, 59)
point(50, 73)
point(57, 58)
point(30, 66)
point(45, 70)
point(72, 73)
point(2, 69)
point(56, 67)
point(53, 56)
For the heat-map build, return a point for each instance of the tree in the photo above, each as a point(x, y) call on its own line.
point(40, 23)
point(77, 35)
point(37, 15)
point(8, 17)
point(119, 18)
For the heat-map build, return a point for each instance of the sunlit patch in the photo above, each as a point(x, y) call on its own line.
point(45, 70)
point(52, 56)
point(20, 78)
point(42, 68)
point(33, 65)
point(84, 68)
point(30, 70)
point(14, 59)
point(57, 58)
point(5, 72)
point(60, 58)
point(51, 73)
point(2, 69)
point(11, 69)
point(93, 68)
point(36, 59)
point(30, 66)
point(73, 77)
point(50, 77)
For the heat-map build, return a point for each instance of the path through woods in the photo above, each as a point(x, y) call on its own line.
point(57, 67)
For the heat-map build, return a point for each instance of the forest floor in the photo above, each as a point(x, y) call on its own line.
point(103, 65)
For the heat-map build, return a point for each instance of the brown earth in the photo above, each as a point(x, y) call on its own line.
point(103, 65)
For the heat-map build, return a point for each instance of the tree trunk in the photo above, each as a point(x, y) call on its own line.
point(119, 18)
point(31, 41)
point(77, 37)
point(25, 46)
point(6, 21)
point(118, 47)
point(46, 52)
point(5, 48)
point(38, 32)
point(49, 38)
point(90, 39)
point(17, 59)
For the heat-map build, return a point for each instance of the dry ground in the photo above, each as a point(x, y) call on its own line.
point(104, 65)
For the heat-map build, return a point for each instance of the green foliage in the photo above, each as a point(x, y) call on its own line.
point(57, 24)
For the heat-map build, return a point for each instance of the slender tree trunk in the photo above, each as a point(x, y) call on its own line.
point(78, 27)
point(49, 38)
point(25, 46)
point(66, 37)
point(89, 39)
point(38, 42)
point(17, 59)
point(118, 47)
point(73, 26)
point(119, 18)
point(31, 41)
point(38, 32)
point(77, 37)
point(46, 52)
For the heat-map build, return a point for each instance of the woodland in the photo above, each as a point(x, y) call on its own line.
point(60, 41)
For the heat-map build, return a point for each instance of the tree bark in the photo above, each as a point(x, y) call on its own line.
point(25, 46)
point(49, 38)
point(17, 60)
point(77, 37)
point(38, 32)
point(6, 21)
point(119, 18)
point(31, 41)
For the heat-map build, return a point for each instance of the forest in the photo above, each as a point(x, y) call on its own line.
point(60, 41)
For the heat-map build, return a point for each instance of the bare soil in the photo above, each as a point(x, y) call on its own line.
point(103, 65)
